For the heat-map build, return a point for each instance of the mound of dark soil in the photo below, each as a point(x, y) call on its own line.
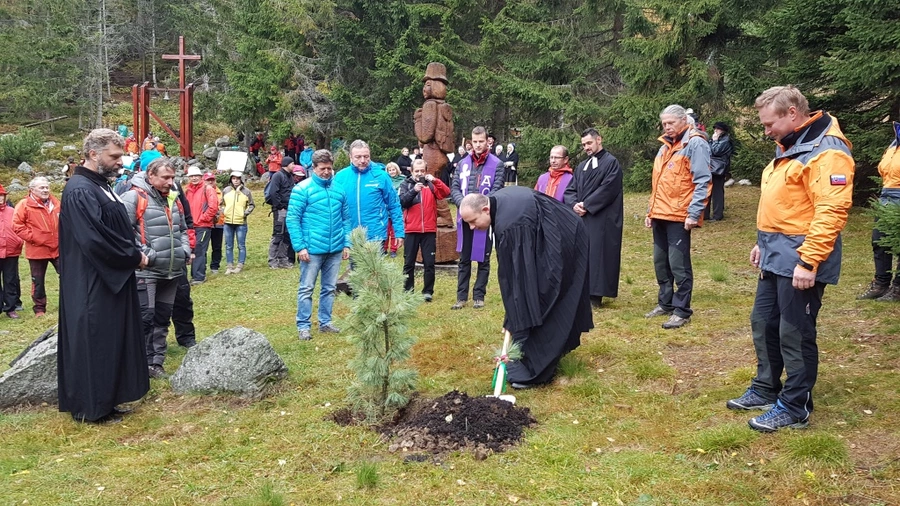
point(456, 421)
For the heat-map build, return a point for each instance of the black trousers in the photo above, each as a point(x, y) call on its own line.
point(411, 246)
point(183, 312)
point(215, 242)
point(883, 260)
point(672, 263)
point(465, 268)
point(783, 324)
point(715, 208)
point(9, 283)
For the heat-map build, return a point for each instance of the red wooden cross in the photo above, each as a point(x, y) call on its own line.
point(181, 57)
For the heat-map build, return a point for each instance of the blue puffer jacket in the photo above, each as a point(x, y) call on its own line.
point(372, 200)
point(318, 218)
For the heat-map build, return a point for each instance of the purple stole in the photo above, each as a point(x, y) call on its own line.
point(560, 189)
point(488, 172)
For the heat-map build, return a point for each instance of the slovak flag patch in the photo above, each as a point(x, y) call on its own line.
point(838, 180)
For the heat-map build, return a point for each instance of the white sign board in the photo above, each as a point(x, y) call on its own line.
point(230, 161)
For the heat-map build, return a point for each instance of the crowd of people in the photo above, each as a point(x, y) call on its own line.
point(558, 247)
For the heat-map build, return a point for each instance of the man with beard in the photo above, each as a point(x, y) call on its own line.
point(595, 194)
point(480, 172)
point(101, 358)
point(542, 252)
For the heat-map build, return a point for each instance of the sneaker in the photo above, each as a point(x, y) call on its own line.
point(478, 304)
point(892, 295)
point(873, 291)
point(729, 183)
point(393, 254)
point(157, 372)
point(214, 271)
point(229, 269)
point(427, 297)
point(195, 282)
point(776, 418)
point(12, 314)
point(657, 311)
point(750, 400)
point(329, 329)
point(238, 268)
point(459, 304)
point(520, 386)
point(304, 335)
point(675, 322)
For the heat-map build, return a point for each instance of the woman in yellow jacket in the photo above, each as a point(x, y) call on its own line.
point(238, 204)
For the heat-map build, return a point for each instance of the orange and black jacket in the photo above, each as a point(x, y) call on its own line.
point(681, 177)
point(889, 169)
point(805, 194)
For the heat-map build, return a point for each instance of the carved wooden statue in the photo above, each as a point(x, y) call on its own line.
point(434, 129)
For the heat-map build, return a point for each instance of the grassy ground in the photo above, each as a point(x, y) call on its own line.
point(636, 416)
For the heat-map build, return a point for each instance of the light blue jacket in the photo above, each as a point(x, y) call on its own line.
point(318, 218)
point(372, 200)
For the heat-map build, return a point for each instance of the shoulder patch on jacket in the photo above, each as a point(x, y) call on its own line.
point(838, 180)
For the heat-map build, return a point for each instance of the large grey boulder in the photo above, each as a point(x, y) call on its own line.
point(31, 378)
point(223, 142)
point(236, 360)
point(25, 168)
point(211, 153)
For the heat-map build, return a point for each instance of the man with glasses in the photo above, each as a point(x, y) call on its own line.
point(595, 194)
point(318, 223)
point(555, 181)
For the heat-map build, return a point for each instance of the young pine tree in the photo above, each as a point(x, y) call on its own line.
point(377, 327)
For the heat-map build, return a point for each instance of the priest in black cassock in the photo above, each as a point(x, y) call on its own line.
point(101, 355)
point(542, 252)
point(595, 194)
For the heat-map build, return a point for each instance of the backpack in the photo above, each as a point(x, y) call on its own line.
point(267, 191)
point(142, 201)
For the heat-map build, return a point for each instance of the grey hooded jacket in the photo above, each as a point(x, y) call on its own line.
point(162, 235)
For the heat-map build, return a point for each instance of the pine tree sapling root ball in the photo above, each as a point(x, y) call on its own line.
point(377, 328)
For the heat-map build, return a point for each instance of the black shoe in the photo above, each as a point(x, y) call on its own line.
point(427, 297)
point(188, 344)
point(874, 291)
point(157, 372)
point(121, 411)
point(520, 386)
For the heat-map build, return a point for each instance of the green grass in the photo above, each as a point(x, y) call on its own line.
point(650, 404)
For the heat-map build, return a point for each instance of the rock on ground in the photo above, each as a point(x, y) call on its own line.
point(236, 360)
point(31, 378)
point(211, 153)
point(223, 142)
point(25, 168)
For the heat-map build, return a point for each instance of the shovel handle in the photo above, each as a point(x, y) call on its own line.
point(500, 373)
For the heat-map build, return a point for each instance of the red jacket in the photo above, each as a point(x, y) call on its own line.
point(38, 226)
point(10, 243)
point(420, 208)
point(204, 204)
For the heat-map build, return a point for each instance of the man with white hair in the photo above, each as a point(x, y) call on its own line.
point(36, 221)
point(681, 182)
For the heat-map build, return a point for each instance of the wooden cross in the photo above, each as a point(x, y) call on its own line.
point(181, 57)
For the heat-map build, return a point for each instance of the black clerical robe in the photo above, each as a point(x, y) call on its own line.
point(542, 253)
point(101, 354)
point(598, 183)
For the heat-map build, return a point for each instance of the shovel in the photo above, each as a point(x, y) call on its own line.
point(500, 373)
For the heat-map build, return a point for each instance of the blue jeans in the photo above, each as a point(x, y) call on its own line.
point(230, 231)
point(330, 265)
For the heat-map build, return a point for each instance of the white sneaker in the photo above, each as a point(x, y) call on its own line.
point(729, 183)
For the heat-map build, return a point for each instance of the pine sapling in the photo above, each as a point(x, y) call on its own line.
point(377, 327)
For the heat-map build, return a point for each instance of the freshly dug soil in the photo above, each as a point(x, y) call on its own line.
point(456, 421)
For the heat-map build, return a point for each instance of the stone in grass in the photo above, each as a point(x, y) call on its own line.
point(24, 168)
point(236, 360)
point(31, 378)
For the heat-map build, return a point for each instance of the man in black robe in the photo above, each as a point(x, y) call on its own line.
point(595, 194)
point(542, 252)
point(101, 356)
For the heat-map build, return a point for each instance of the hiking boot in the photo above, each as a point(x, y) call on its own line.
point(675, 322)
point(873, 291)
point(478, 304)
point(329, 329)
point(750, 400)
point(12, 314)
point(776, 418)
point(657, 311)
point(238, 268)
point(195, 282)
point(304, 335)
point(892, 295)
point(427, 297)
point(459, 305)
point(214, 271)
point(157, 372)
point(229, 269)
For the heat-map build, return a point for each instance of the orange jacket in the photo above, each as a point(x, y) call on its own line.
point(805, 194)
point(10, 242)
point(681, 178)
point(889, 169)
point(38, 226)
point(274, 162)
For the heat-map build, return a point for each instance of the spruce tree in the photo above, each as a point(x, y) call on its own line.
point(377, 327)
